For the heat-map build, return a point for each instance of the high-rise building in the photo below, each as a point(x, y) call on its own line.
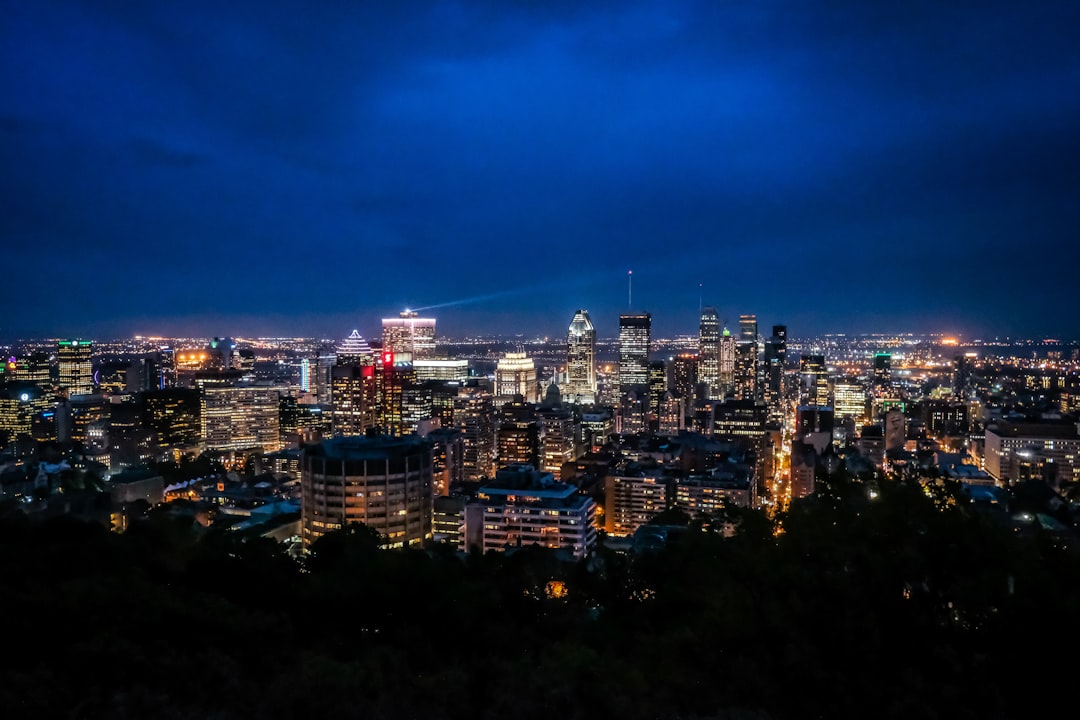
point(393, 376)
point(241, 417)
point(355, 391)
point(849, 399)
point(581, 360)
point(76, 370)
point(409, 333)
point(635, 330)
point(474, 415)
point(775, 360)
point(174, 414)
point(443, 369)
point(708, 366)
point(815, 380)
point(385, 483)
point(727, 362)
point(683, 379)
point(34, 368)
point(883, 369)
point(657, 389)
point(748, 328)
point(355, 350)
point(515, 374)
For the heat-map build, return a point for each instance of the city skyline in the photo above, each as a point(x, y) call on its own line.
point(285, 170)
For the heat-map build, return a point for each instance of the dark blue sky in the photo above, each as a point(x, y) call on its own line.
point(255, 167)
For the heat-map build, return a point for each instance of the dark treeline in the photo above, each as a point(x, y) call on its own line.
point(908, 606)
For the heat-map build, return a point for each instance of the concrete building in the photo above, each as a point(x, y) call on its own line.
point(1057, 444)
point(385, 483)
point(524, 506)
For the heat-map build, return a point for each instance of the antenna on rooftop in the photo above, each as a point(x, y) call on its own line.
point(629, 289)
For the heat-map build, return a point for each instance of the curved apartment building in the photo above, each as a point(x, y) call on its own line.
point(383, 482)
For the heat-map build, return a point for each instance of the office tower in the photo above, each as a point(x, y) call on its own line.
point(385, 483)
point(441, 369)
point(76, 371)
point(634, 336)
point(748, 330)
point(524, 506)
point(515, 374)
point(20, 403)
point(166, 368)
point(775, 360)
point(657, 389)
point(474, 415)
point(581, 360)
point(322, 379)
point(815, 380)
point(355, 391)
point(409, 333)
point(152, 371)
point(393, 376)
point(746, 359)
point(34, 368)
point(849, 399)
point(174, 414)
point(708, 365)
point(962, 373)
point(882, 369)
point(683, 379)
point(518, 436)
point(727, 363)
point(241, 417)
point(354, 350)
point(559, 435)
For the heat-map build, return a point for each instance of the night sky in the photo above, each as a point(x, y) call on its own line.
point(255, 168)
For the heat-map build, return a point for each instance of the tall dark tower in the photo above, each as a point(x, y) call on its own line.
point(775, 358)
point(708, 371)
point(635, 331)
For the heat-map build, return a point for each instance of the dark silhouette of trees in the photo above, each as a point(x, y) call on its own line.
point(899, 605)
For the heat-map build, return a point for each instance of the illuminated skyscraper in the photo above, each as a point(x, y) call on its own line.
point(76, 371)
point(516, 375)
point(815, 380)
point(409, 333)
point(849, 397)
point(708, 369)
point(635, 330)
point(241, 417)
point(355, 390)
point(355, 350)
point(474, 415)
point(581, 360)
point(746, 359)
point(727, 362)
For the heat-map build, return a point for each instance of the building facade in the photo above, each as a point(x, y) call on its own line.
point(385, 483)
point(581, 384)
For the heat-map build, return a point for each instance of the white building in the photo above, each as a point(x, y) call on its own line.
point(526, 507)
